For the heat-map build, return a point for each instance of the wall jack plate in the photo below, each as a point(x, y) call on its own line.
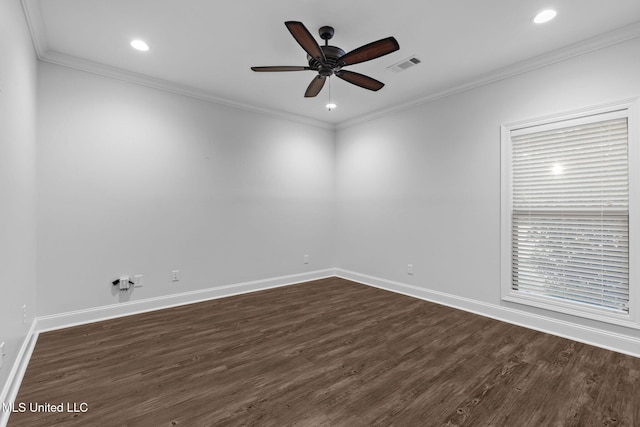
point(123, 283)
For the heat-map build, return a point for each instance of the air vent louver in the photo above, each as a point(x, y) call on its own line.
point(404, 64)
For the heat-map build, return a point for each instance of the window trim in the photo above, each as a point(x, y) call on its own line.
point(632, 319)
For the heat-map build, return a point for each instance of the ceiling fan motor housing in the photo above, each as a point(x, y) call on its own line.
point(331, 54)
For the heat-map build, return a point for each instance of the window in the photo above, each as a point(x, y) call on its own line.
point(569, 214)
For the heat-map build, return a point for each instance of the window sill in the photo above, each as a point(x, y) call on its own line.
point(626, 320)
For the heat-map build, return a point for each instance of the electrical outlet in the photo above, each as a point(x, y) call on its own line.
point(2, 354)
point(138, 281)
point(175, 276)
point(410, 269)
point(305, 259)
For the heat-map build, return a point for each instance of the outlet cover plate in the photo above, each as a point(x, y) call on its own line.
point(138, 281)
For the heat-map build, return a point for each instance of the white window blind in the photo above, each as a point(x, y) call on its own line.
point(570, 212)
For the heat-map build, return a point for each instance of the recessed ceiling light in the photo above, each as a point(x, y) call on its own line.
point(545, 16)
point(331, 106)
point(139, 45)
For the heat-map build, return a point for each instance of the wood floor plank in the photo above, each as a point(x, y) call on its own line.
point(324, 353)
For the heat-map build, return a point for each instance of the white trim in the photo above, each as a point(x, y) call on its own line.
point(624, 104)
point(601, 41)
point(625, 108)
point(11, 387)
point(166, 86)
point(81, 317)
point(506, 201)
point(36, 27)
point(588, 335)
point(577, 309)
point(96, 314)
point(35, 24)
point(615, 111)
point(633, 135)
point(33, 16)
point(597, 337)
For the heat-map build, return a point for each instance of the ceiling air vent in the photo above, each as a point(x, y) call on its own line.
point(404, 64)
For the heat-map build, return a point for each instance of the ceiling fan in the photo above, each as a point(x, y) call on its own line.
point(328, 60)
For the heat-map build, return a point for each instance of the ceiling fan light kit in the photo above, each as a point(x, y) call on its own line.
point(328, 60)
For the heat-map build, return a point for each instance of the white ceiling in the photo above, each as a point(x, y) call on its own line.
point(206, 47)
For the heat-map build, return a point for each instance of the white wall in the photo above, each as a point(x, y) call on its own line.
point(17, 180)
point(134, 180)
point(422, 186)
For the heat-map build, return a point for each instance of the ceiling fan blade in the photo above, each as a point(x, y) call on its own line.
point(280, 68)
point(305, 39)
point(360, 80)
point(316, 85)
point(370, 51)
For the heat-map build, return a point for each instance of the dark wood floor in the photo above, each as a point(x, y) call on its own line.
point(324, 353)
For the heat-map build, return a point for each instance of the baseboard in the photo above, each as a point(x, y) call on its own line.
point(588, 335)
point(593, 336)
point(597, 337)
point(11, 387)
point(81, 317)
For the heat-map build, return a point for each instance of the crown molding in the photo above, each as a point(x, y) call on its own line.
point(620, 35)
point(35, 24)
point(36, 27)
point(33, 16)
point(164, 85)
